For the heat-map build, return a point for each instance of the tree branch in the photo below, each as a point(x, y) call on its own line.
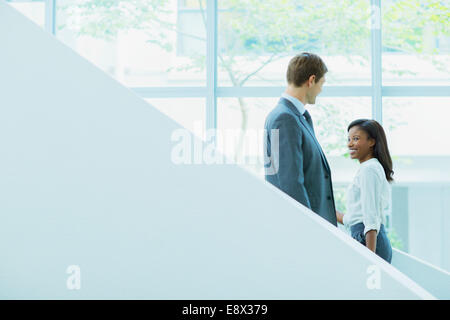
point(272, 58)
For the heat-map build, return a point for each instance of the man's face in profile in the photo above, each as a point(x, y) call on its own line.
point(314, 90)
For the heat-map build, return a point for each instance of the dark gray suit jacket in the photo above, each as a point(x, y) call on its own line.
point(299, 166)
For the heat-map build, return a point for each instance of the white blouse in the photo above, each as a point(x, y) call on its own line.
point(368, 197)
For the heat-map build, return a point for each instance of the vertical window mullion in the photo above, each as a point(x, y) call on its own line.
point(50, 6)
point(375, 31)
point(211, 64)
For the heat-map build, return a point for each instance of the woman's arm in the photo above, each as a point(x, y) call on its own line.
point(370, 205)
point(371, 240)
point(340, 217)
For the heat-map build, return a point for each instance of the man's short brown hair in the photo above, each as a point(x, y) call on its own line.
point(303, 66)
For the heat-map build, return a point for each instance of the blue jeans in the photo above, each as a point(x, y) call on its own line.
point(383, 249)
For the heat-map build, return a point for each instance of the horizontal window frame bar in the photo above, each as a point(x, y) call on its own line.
point(171, 92)
point(415, 91)
point(328, 91)
point(273, 92)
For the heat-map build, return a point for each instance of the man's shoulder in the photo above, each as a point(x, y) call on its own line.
point(280, 116)
point(281, 110)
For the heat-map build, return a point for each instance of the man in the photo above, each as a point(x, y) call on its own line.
point(295, 163)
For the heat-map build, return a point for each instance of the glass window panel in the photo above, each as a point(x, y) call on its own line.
point(140, 43)
point(240, 125)
point(188, 112)
point(416, 42)
point(418, 138)
point(257, 39)
point(34, 11)
point(417, 126)
point(419, 141)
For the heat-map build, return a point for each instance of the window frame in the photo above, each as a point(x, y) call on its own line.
point(211, 92)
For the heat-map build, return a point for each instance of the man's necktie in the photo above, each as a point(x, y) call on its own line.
point(309, 120)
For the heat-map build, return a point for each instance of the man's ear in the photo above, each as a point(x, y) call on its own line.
point(311, 80)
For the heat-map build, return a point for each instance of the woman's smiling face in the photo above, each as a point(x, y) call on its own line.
point(359, 144)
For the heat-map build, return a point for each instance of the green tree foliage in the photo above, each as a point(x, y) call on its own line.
point(405, 23)
point(395, 240)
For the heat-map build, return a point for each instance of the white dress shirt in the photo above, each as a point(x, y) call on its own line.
point(297, 103)
point(368, 197)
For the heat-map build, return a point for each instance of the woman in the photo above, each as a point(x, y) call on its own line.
point(368, 196)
